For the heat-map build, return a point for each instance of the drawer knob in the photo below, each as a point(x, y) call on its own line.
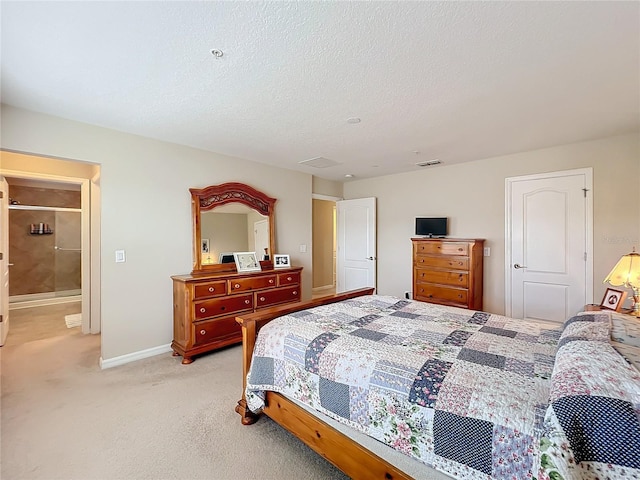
point(288, 279)
point(430, 296)
point(459, 295)
point(247, 302)
point(295, 293)
point(202, 332)
point(202, 310)
point(211, 289)
point(223, 308)
point(262, 299)
point(236, 285)
point(271, 280)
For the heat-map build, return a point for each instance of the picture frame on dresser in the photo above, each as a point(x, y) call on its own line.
point(281, 261)
point(613, 299)
point(246, 261)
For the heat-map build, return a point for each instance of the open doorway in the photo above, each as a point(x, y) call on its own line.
point(324, 246)
point(52, 223)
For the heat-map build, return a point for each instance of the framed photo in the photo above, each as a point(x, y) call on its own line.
point(613, 299)
point(281, 261)
point(246, 261)
point(205, 245)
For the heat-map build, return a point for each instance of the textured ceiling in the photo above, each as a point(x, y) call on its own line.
point(457, 81)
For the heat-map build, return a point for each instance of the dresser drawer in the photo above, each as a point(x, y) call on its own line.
point(209, 289)
point(458, 263)
point(215, 330)
point(252, 283)
point(444, 277)
point(288, 278)
point(434, 293)
point(280, 295)
point(222, 306)
point(442, 248)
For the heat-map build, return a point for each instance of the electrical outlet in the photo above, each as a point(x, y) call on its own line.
point(407, 294)
point(120, 256)
point(303, 249)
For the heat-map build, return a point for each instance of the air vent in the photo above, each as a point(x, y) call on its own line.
point(319, 162)
point(429, 163)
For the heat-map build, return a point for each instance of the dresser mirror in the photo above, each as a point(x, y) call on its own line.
point(227, 218)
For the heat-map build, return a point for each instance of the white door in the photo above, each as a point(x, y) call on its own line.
point(356, 244)
point(4, 259)
point(549, 267)
point(261, 238)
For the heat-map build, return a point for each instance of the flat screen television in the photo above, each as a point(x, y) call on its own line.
point(226, 258)
point(431, 226)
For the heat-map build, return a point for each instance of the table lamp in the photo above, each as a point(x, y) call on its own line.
point(627, 273)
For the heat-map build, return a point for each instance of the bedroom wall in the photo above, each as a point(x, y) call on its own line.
point(472, 195)
point(146, 211)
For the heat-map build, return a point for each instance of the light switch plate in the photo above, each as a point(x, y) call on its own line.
point(303, 249)
point(120, 256)
point(487, 251)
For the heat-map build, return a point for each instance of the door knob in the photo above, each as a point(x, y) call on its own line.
point(371, 258)
point(517, 265)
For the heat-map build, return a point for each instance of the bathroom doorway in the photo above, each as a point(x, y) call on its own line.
point(54, 244)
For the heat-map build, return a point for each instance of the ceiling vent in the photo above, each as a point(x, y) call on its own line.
point(319, 162)
point(429, 163)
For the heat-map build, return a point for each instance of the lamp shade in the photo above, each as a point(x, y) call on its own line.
point(626, 272)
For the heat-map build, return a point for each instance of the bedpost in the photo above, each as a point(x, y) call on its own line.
point(248, 342)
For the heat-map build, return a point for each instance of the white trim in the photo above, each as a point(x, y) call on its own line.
point(322, 288)
point(318, 196)
point(588, 174)
point(132, 357)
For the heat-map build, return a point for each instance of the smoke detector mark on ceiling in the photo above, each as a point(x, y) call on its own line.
point(319, 162)
point(429, 163)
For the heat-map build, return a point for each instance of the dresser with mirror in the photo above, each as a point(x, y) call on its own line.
point(227, 218)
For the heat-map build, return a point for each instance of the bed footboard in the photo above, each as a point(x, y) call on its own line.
point(251, 324)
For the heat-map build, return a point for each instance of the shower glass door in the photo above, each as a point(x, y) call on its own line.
point(66, 262)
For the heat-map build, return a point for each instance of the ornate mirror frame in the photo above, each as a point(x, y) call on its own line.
point(208, 198)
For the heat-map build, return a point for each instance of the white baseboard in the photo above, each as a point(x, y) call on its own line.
point(324, 287)
point(132, 357)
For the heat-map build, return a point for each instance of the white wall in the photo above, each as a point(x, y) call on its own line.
point(146, 211)
point(472, 195)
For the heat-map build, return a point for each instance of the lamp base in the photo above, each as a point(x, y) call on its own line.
point(635, 307)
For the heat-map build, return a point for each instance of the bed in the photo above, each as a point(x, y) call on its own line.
point(455, 393)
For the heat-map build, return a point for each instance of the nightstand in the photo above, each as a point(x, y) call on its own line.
point(592, 307)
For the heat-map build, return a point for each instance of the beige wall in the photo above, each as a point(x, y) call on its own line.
point(472, 195)
point(329, 188)
point(146, 211)
point(227, 232)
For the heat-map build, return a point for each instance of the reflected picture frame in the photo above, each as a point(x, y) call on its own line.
point(281, 261)
point(205, 245)
point(246, 262)
point(613, 299)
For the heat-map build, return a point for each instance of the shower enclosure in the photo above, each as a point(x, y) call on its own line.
point(44, 244)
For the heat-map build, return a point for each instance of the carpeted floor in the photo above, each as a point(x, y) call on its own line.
point(64, 418)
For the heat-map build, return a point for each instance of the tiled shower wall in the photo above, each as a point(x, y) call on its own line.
point(36, 266)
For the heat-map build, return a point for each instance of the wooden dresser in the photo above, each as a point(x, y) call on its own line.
point(448, 271)
point(205, 306)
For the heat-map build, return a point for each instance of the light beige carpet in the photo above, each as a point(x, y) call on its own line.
point(64, 418)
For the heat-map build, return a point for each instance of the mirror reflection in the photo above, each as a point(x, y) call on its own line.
point(233, 227)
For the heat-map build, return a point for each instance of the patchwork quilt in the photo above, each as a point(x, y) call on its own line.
point(467, 393)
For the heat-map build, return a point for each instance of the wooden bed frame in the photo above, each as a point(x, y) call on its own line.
point(342, 451)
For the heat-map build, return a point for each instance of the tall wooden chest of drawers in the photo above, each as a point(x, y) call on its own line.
point(205, 306)
point(448, 271)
